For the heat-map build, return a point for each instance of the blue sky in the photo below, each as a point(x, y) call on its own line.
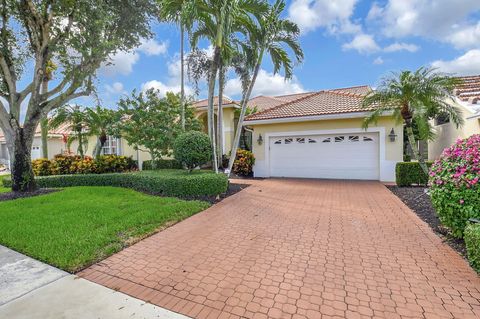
point(346, 43)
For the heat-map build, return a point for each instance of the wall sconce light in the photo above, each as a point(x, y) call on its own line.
point(260, 139)
point(392, 135)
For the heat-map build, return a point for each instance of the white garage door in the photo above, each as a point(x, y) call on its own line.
point(339, 156)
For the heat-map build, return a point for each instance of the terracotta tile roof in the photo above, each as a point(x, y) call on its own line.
point(204, 103)
point(345, 100)
point(293, 97)
point(469, 90)
point(263, 102)
point(62, 129)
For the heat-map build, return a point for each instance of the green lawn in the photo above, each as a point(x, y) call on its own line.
point(78, 226)
point(3, 189)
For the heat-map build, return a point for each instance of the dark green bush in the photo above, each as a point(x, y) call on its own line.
point(472, 241)
point(410, 173)
point(162, 164)
point(176, 183)
point(192, 149)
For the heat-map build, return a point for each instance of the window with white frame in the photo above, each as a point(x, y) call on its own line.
point(111, 146)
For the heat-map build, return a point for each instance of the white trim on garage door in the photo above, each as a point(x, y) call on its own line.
point(338, 156)
point(386, 168)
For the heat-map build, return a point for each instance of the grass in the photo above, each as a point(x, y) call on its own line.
point(3, 189)
point(78, 226)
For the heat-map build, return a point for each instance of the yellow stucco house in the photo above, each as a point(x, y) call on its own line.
point(468, 101)
point(320, 135)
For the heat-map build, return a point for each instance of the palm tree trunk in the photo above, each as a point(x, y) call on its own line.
point(221, 83)
point(413, 144)
point(44, 124)
point(182, 76)
point(245, 100)
point(210, 111)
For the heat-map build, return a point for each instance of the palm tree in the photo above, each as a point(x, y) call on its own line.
point(100, 121)
point(218, 21)
point(270, 37)
point(183, 13)
point(415, 98)
point(75, 118)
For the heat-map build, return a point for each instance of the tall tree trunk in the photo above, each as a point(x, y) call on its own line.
point(245, 100)
point(182, 76)
point(221, 83)
point(23, 179)
point(44, 124)
point(100, 143)
point(413, 144)
point(80, 144)
point(210, 111)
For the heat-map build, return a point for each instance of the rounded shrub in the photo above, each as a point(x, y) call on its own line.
point(42, 167)
point(455, 184)
point(192, 149)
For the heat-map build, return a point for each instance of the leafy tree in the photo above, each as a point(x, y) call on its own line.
point(218, 22)
point(415, 97)
point(78, 36)
point(151, 123)
point(100, 122)
point(75, 118)
point(271, 37)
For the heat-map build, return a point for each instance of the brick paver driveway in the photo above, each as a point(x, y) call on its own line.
point(298, 249)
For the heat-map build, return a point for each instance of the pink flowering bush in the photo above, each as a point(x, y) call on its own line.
point(455, 184)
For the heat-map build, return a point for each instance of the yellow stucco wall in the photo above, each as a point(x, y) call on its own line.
point(448, 133)
point(393, 151)
point(228, 126)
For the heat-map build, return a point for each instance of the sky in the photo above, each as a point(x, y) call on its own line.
point(345, 42)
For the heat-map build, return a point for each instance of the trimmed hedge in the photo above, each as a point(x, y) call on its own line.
point(410, 173)
point(166, 183)
point(472, 241)
point(161, 164)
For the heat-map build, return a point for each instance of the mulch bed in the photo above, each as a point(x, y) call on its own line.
point(233, 188)
point(17, 195)
point(419, 202)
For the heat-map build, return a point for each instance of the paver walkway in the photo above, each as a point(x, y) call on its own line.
point(298, 249)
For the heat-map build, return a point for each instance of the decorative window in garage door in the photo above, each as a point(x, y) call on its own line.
point(339, 139)
point(278, 141)
point(354, 138)
point(367, 139)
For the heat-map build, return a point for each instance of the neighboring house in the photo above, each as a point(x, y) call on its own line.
point(320, 135)
point(57, 145)
point(468, 100)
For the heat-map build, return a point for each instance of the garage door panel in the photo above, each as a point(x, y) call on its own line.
point(346, 156)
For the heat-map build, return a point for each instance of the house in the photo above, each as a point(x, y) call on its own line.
point(320, 135)
point(468, 101)
point(57, 145)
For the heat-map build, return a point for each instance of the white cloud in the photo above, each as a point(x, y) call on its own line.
point(465, 37)
point(173, 82)
point(333, 15)
point(378, 61)
point(120, 63)
point(115, 88)
point(163, 88)
point(401, 46)
point(467, 64)
point(363, 43)
point(427, 18)
point(266, 84)
point(153, 47)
